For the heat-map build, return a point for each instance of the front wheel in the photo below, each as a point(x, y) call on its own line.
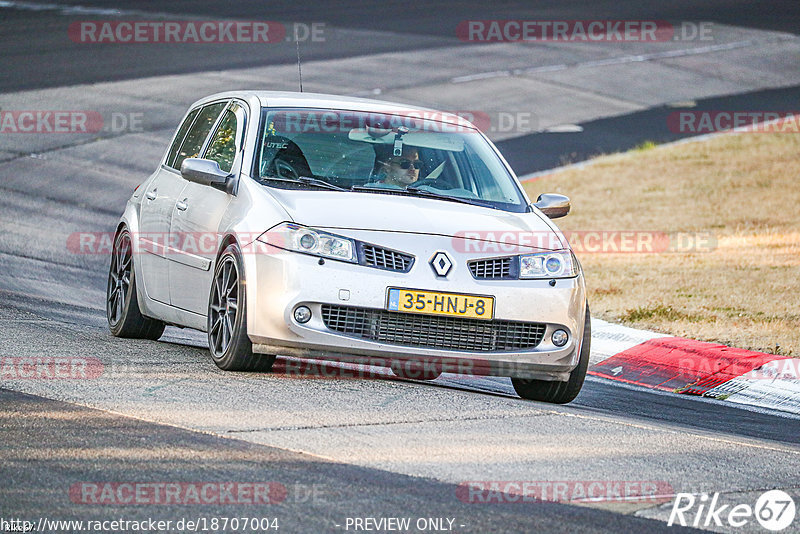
point(559, 392)
point(124, 317)
point(230, 347)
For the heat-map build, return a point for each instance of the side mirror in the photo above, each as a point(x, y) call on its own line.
point(204, 172)
point(552, 205)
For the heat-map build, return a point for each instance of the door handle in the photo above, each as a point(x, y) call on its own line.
point(182, 205)
point(151, 195)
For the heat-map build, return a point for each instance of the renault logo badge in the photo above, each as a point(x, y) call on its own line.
point(441, 263)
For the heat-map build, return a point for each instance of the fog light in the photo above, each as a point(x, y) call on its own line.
point(559, 337)
point(302, 314)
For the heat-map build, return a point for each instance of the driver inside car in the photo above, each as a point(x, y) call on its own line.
point(397, 171)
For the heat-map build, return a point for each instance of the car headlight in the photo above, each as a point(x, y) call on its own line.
point(559, 264)
point(299, 238)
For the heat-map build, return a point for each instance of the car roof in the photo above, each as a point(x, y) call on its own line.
point(290, 99)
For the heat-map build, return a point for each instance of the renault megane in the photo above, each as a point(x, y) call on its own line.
point(334, 228)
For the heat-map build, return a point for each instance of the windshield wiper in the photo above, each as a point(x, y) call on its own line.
point(307, 181)
point(417, 192)
point(377, 189)
point(430, 194)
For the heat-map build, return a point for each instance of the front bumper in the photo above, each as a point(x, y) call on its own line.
point(278, 281)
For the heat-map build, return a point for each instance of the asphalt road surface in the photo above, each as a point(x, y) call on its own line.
point(161, 412)
point(35, 53)
point(306, 493)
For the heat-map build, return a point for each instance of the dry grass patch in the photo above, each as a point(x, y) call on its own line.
point(742, 188)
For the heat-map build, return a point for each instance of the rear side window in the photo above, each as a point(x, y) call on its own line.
point(223, 145)
point(198, 132)
point(176, 144)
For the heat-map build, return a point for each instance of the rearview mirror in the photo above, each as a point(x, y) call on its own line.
point(435, 141)
point(553, 205)
point(204, 172)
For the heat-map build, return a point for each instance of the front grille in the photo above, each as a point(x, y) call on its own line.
point(491, 268)
point(450, 333)
point(387, 259)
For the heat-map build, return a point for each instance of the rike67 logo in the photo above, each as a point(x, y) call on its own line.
point(774, 510)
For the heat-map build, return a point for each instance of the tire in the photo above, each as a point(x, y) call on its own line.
point(414, 370)
point(559, 392)
point(124, 317)
point(228, 343)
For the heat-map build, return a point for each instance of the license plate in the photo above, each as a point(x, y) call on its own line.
point(437, 303)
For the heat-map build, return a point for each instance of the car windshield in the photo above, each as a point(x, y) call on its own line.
point(387, 153)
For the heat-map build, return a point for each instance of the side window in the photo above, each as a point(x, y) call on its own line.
point(176, 144)
point(223, 145)
point(198, 132)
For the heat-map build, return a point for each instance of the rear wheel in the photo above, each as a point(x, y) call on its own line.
point(559, 392)
point(230, 347)
point(122, 303)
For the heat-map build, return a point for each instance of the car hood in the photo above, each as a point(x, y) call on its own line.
point(334, 211)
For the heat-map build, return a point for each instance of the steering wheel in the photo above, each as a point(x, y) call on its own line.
point(285, 170)
point(433, 182)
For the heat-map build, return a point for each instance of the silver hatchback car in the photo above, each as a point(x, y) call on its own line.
point(324, 227)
